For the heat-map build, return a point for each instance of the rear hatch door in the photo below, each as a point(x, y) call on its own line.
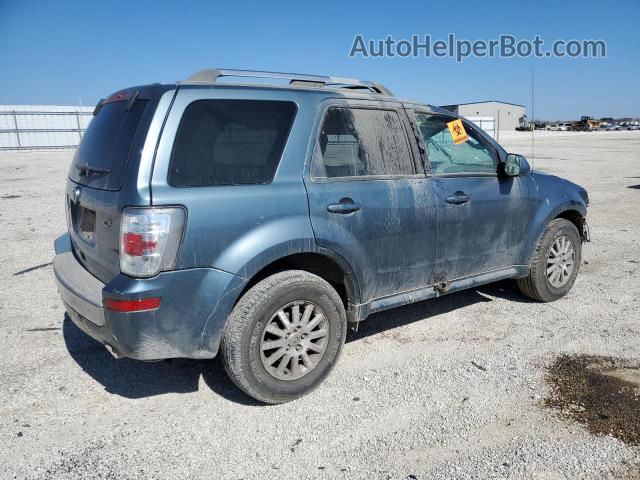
point(104, 174)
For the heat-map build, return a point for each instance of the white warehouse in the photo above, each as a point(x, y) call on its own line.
point(506, 114)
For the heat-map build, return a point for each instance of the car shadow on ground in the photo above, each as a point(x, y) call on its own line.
point(135, 379)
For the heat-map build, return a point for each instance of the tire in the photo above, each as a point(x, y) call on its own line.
point(537, 285)
point(248, 333)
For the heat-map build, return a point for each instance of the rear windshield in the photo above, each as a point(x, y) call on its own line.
point(230, 142)
point(101, 158)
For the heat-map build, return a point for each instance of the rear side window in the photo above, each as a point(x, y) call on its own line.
point(230, 142)
point(355, 142)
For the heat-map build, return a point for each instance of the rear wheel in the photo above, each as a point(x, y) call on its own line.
point(284, 336)
point(555, 262)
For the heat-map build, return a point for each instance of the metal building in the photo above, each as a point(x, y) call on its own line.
point(505, 114)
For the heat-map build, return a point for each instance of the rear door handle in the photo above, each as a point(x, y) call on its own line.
point(458, 198)
point(346, 205)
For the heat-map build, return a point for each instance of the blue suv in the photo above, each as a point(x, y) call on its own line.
point(259, 220)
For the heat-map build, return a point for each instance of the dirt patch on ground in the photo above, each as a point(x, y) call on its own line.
point(602, 393)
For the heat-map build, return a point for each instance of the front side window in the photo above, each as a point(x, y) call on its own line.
point(473, 156)
point(230, 142)
point(356, 142)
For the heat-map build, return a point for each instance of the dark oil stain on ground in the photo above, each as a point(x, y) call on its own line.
point(601, 393)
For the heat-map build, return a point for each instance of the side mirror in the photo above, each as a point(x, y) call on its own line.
point(515, 165)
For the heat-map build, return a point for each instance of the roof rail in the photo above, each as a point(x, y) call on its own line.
point(211, 75)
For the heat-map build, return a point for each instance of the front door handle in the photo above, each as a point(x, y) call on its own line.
point(346, 205)
point(458, 198)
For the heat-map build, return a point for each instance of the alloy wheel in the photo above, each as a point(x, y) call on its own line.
point(294, 340)
point(560, 262)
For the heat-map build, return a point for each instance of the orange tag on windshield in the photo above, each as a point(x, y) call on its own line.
point(457, 131)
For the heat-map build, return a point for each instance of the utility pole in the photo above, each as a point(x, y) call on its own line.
point(533, 120)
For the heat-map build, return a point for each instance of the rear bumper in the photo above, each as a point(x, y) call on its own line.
point(79, 290)
point(195, 304)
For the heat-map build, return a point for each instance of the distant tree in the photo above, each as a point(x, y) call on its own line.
point(607, 119)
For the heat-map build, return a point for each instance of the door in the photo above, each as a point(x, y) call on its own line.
point(369, 198)
point(482, 215)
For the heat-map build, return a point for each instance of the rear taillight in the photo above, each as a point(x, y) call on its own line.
point(135, 244)
point(149, 240)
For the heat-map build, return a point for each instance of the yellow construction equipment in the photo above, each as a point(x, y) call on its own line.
point(586, 124)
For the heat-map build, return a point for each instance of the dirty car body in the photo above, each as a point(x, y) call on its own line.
point(345, 181)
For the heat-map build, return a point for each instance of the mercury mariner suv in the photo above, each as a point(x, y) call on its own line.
point(257, 221)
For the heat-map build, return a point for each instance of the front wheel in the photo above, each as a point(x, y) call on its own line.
point(284, 336)
point(555, 262)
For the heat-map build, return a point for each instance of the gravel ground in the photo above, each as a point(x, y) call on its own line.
point(447, 388)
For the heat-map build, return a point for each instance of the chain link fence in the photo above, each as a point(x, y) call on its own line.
point(31, 127)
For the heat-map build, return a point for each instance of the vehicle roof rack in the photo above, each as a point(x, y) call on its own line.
point(211, 75)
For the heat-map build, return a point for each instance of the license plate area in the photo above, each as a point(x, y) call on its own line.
point(84, 222)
